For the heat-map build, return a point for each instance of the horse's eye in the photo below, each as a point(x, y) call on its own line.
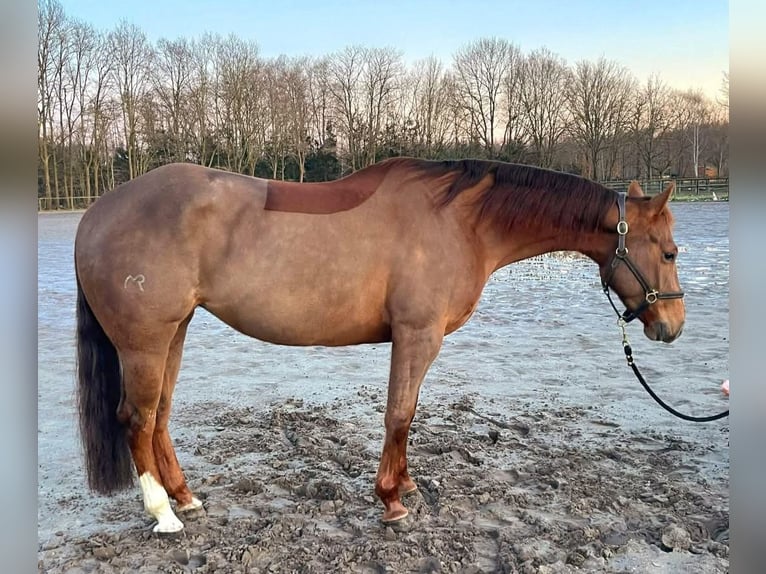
point(670, 256)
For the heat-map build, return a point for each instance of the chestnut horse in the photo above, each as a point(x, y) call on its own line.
point(399, 251)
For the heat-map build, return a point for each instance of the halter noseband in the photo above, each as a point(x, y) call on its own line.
point(651, 295)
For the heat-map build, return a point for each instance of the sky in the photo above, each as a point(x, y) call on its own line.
point(685, 42)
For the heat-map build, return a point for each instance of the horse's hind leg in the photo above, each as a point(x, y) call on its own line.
point(143, 381)
point(170, 471)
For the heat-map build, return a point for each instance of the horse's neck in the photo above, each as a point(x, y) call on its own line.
point(524, 242)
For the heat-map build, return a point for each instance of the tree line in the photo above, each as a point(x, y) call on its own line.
point(113, 105)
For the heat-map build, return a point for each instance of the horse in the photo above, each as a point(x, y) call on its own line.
point(397, 252)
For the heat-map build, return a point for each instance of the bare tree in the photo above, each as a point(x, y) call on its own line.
point(50, 22)
point(277, 105)
point(694, 113)
point(514, 136)
point(201, 100)
point(132, 55)
point(430, 99)
point(318, 86)
point(480, 73)
point(598, 99)
point(719, 139)
point(82, 67)
point(298, 116)
point(459, 117)
point(651, 125)
point(172, 84)
point(240, 107)
point(64, 100)
point(77, 67)
point(543, 97)
point(153, 135)
point(382, 71)
point(101, 116)
point(345, 71)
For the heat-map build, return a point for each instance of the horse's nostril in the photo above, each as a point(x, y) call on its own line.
point(663, 333)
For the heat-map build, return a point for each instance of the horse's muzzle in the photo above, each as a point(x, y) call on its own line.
point(660, 331)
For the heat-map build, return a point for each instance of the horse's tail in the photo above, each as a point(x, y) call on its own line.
point(104, 438)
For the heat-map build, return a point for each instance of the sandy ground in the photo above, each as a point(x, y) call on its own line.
point(290, 490)
point(533, 447)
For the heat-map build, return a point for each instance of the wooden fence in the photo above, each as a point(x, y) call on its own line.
point(686, 189)
point(697, 188)
point(61, 204)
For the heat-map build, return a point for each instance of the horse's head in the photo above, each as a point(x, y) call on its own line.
point(642, 269)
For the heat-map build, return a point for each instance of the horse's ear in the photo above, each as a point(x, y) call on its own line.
point(634, 190)
point(659, 202)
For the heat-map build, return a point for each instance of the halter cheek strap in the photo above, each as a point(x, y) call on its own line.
point(651, 295)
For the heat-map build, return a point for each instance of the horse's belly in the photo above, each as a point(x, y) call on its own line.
point(303, 322)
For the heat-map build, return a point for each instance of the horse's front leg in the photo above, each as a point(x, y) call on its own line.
point(412, 353)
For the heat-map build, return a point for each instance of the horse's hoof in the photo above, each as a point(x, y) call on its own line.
point(170, 534)
point(194, 505)
point(193, 513)
point(395, 514)
point(408, 488)
point(169, 526)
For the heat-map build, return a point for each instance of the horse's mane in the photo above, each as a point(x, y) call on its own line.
point(521, 194)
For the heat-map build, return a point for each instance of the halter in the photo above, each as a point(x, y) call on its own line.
point(651, 295)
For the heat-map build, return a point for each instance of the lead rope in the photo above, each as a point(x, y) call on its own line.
point(629, 356)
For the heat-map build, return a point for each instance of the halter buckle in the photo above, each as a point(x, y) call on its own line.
point(651, 297)
point(622, 227)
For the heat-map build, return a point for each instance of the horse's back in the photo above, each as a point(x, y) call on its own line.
point(163, 196)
